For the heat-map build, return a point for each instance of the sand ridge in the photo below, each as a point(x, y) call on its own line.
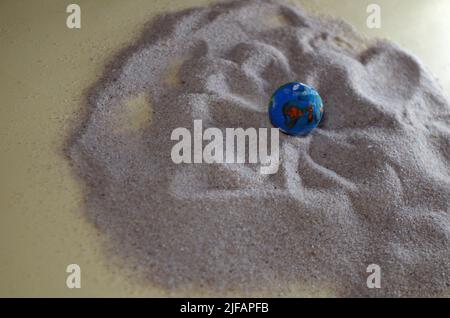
point(371, 185)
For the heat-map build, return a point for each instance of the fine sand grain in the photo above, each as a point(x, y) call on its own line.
point(371, 185)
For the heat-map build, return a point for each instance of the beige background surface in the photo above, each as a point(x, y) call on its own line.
point(44, 69)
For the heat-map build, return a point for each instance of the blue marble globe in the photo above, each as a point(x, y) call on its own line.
point(296, 109)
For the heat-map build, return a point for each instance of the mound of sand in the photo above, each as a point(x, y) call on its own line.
point(371, 185)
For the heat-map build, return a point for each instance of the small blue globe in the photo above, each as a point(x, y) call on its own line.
point(296, 109)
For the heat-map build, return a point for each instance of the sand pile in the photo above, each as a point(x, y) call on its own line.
point(371, 185)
